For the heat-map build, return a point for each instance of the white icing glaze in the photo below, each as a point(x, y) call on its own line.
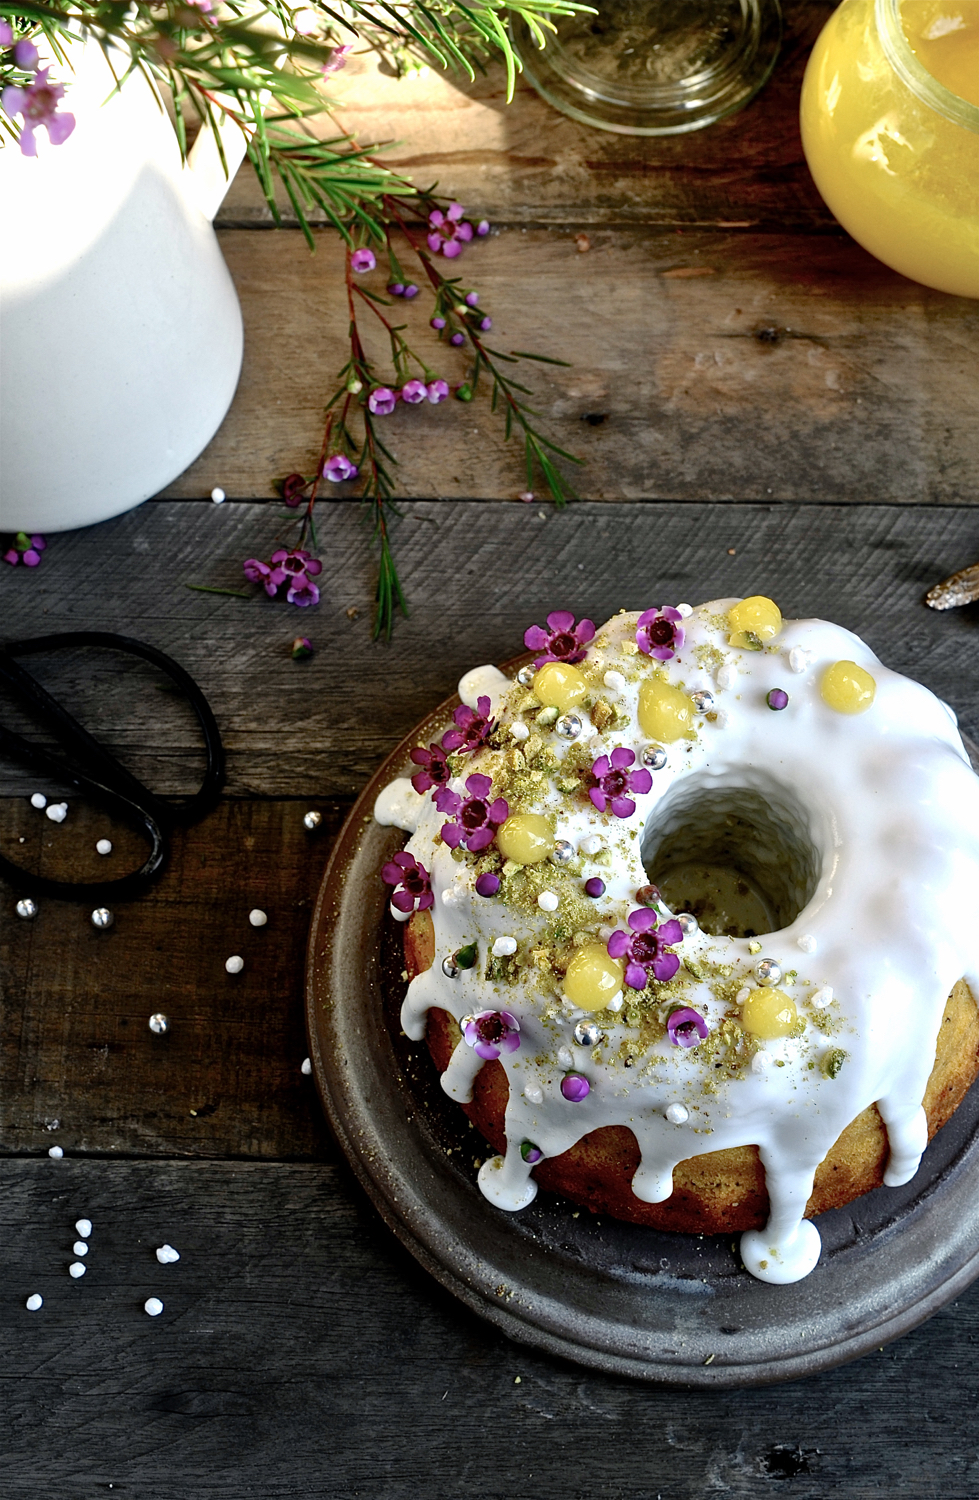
point(868, 827)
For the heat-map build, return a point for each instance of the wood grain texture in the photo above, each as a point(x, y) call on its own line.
point(526, 163)
point(476, 575)
point(302, 1353)
point(701, 366)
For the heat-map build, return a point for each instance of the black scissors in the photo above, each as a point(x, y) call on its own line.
point(93, 771)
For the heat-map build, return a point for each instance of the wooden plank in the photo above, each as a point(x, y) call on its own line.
point(476, 575)
point(301, 1352)
point(526, 163)
point(701, 366)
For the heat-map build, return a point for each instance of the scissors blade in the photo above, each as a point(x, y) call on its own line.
point(960, 588)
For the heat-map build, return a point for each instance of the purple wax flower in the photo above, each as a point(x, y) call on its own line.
point(575, 1087)
point(487, 885)
point(438, 390)
point(686, 1028)
point(412, 882)
point(645, 948)
point(531, 1153)
point(12, 556)
point(26, 55)
point(563, 641)
point(613, 780)
point(448, 232)
point(297, 568)
point(490, 1032)
point(595, 887)
point(362, 260)
point(411, 290)
point(6, 33)
point(438, 323)
point(483, 227)
point(292, 489)
point(338, 468)
point(414, 391)
point(777, 698)
point(396, 288)
point(472, 299)
point(486, 324)
point(475, 820)
point(258, 572)
point(336, 61)
point(26, 550)
point(382, 401)
point(473, 727)
point(457, 339)
point(435, 768)
point(302, 648)
point(37, 103)
point(303, 594)
point(659, 632)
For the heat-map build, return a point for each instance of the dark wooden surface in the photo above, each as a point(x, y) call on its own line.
point(758, 381)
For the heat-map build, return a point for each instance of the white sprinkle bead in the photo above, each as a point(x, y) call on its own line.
point(565, 1057)
point(55, 1152)
point(166, 1255)
point(399, 916)
point(677, 1114)
point(520, 732)
point(822, 997)
point(684, 611)
point(504, 946)
point(807, 942)
point(742, 994)
point(217, 495)
point(153, 1306)
point(57, 811)
point(34, 1302)
point(39, 800)
point(103, 846)
point(614, 681)
point(533, 1093)
point(257, 917)
point(722, 719)
point(592, 844)
point(76, 1269)
point(79, 1248)
point(761, 1062)
point(547, 901)
point(234, 964)
point(306, 1068)
point(616, 1001)
point(83, 1228)
point(799, 659)
point(727, 675)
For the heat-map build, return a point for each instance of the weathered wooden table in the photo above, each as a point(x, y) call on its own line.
point(761, 407)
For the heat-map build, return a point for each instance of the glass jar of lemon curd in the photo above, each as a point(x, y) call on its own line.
point(890, 128)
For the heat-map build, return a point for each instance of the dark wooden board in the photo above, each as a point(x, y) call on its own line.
point(301, 1353)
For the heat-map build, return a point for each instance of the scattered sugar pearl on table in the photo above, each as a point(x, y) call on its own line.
point(504, 946)
point(76, 1269)
point(614, 681)
point(103, 846)
point(257, 917)
point(822, 997)
point(39, 800)
point(547, 901)
point(102, 918)
point(57, 811)
point(26, 909)
point(806, 942)
point(307, 1067)
point(312, 820)
point(79, 1248)
point(159, 1024)
point(234, 964)
point(167, 1255)
point(218, 495)
point(153, 1306)
point(83, 1228)
point(34, 1302)
point(55, 1152)
point(677, 1114)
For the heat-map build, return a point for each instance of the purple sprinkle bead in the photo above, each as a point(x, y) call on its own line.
point(487, 885)
point(472, 298)
point(457, 339)
point(595, 887)
point(531, 1153)
point(777, 698)
point(575, 1087)
point(411, 290)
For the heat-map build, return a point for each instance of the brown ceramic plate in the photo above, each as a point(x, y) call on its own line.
point(661, 1307)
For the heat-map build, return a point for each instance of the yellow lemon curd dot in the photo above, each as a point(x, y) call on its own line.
point(756, 617)
point(665, 713)
point(525, 838)
point(593, 979)
point(559, 686)
point(847, 688)
point(769, 1013)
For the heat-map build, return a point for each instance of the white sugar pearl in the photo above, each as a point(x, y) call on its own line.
point(616, 1001)
point(104, 846)
point(57, 811)
point(761, 1062)
point(34, 1302)
point(799, 659)
point(823, 997)
point(807, 942)
point(153, 1306)
point(684, 611)
point(677, 1114)
point(565, 1057)
point(547, 901)
point(533, 1093)
point(79, 1248)
point(217, 495)
point(234, 964)
point(721, 719)
point(55, 1152)
point(166, 1255)
point(397, 914)
point(76, 1269)
point(257, 917)
point(39, 800)
point(592, 844)
point(742, 994)
point(504, 946)
point(306, 1068)
point(727, 675)
point(520, 732)
point(614, 681)
point(83, 1228)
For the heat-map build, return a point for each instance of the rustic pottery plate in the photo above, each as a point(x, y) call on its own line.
point(669, 1308)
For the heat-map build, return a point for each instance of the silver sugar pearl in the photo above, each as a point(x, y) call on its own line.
point(562, 853)
point(703, 702)
point(312, 820)
point(588, 1034)
point(526, 675)
point(568, 726)
point(26, 908)
point(688, 923)
point(768, 971)
point(450, 968)
point(102, 917)
point(653, 757)
point(159, 1023)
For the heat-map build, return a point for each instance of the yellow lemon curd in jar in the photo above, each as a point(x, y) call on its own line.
point(560, 686)
point(897, 161)
point(526, 838)
point(593, 979)
point(847, 688)
point(769, 1013)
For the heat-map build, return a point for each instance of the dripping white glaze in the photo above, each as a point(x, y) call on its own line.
point(885, 809)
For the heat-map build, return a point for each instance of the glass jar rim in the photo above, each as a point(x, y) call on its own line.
point(913, 73)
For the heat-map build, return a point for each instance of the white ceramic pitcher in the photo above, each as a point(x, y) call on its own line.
point(120, 330)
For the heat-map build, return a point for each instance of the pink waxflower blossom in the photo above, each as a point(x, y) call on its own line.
point(473, 728)
point(362, 260)
point(38, 104)
point(414, 391)
point(613, 780)
point(337, 59)
point(297, 568)
point(475, 820)
point(435, 771)
point(563, 640)
point(659, 633)
point(438, 390)
point(645, 948)
point(490, 1032)
point(448, 232)
point(412, 882)
point(6, 33)
point(338, 468)
point(382, 401)
point(26, 55)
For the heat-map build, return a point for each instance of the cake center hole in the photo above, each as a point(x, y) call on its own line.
point(743, 861)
